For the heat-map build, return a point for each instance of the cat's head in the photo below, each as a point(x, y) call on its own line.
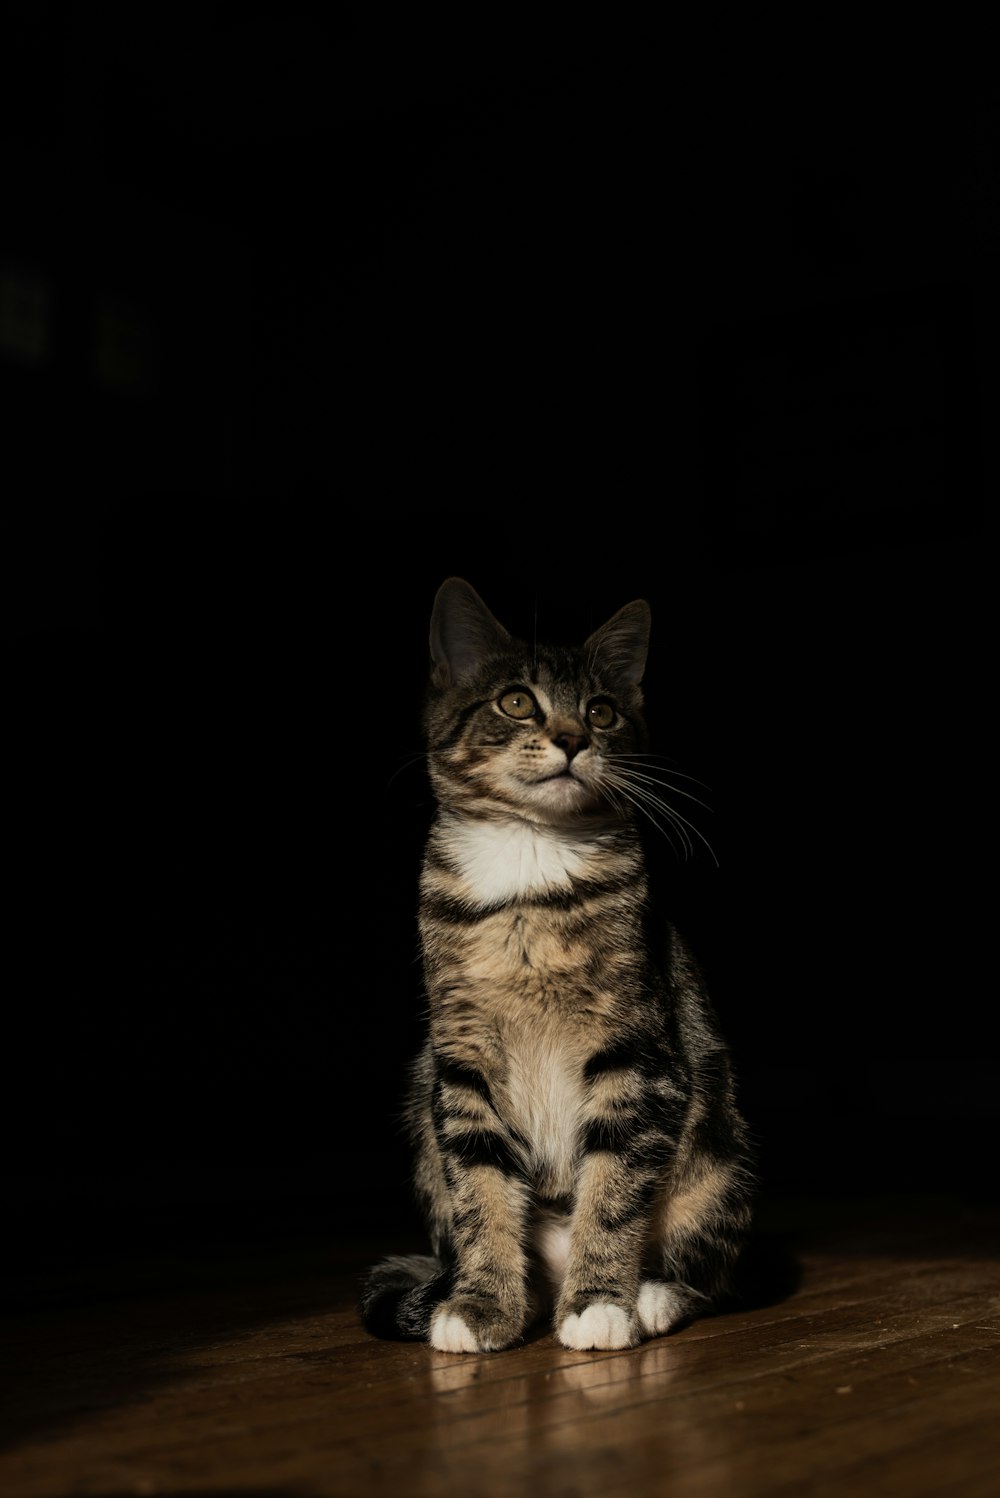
point(533, 731)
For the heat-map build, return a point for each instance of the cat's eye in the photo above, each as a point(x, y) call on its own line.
point(600, 712)
point(518, 703)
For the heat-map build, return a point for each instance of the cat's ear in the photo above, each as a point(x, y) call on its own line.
point(463, 633)
point(621, 645)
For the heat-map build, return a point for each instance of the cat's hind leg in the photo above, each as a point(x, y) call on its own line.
point(700, 1233)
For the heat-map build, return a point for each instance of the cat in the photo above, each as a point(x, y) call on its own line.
point(580, 1153)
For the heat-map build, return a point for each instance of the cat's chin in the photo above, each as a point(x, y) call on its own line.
point(561, 798)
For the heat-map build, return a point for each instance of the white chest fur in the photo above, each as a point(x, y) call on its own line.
point(504, 860)
point(545, 1100)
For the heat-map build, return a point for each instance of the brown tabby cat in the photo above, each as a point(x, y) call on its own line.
point(579, 1150)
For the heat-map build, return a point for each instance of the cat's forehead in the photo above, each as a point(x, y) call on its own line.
point(550, 666)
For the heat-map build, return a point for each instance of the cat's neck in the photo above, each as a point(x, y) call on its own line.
point(505, 858)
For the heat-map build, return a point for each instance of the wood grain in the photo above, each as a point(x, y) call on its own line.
point(879, 1373)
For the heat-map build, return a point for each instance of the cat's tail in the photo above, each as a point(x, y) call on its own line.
point(399, 1295)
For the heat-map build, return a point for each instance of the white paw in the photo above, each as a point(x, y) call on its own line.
point(449, 1333)
point(598, 1325)
point(659, 1307)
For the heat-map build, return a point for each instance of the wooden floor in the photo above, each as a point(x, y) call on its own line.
point(874, 1369)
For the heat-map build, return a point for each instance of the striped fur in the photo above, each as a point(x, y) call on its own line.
point(579, 1152)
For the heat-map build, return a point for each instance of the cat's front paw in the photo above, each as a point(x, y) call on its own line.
point(599, 1325)
point(472, 1323)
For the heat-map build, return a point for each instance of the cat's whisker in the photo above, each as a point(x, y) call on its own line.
point(656, 761)
point(680, 821)
point(618, 805)
point(660, 780)
point(649, 805)
point(634, 787)
point(412, 759)
point(633, 774)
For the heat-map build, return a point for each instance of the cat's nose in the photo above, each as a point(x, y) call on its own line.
point(572, 743)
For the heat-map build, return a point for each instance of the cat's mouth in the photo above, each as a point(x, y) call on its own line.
point(566, 774)
point(565, 787)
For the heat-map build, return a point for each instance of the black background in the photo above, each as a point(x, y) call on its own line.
point(305, 309)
